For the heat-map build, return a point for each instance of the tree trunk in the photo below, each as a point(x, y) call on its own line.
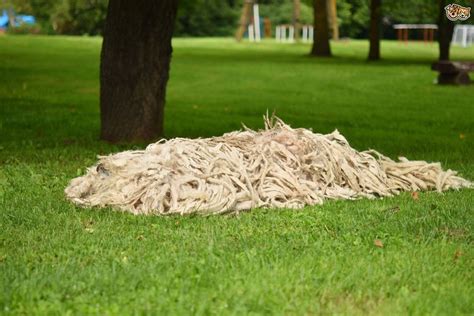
point(11, 17)
point(244, 19)
point(445, 31)
point(374, 35)
point(332, 16)
point(296, 19)
point(135, 59)
point(321, 45)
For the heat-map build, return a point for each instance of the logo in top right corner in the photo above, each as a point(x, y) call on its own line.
point(455, 12)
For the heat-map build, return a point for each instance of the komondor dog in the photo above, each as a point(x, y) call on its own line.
point(275, 167)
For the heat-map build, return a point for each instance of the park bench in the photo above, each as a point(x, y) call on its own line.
point(453, 72)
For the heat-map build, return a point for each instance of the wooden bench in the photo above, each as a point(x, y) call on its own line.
point(453, 72)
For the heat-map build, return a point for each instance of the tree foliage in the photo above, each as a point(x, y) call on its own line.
point(281, 13)
point(207, 17)
point(79, 17)
point(75, 17)
point(220, 17)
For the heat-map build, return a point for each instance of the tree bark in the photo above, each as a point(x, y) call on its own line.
point(374, 33)
point(244, 19)
point(332, 16)
point(134, 70)
point(296, 19)
point(445, 31)
point(11, 17)
point(321, 45)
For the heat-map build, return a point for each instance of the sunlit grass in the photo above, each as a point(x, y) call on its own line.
point(55, 257)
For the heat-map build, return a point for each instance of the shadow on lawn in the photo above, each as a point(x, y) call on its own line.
point(257, 57)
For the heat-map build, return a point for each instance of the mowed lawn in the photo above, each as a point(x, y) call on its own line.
point(56, 258)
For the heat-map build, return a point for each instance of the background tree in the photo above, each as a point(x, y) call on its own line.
point(410, 11)
point(134, 70)
point(12, 6)
point(245, 18)
point(445, 31)
point(321, 45)
point(446, 27)
point(79, 17)
point(332, 18)
point(221, 17)
point(207, 17)
point(374, 33)
point(296, 21)
point(353, 18)
point(282, 12)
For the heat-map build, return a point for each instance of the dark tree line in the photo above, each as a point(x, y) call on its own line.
point(221, 17)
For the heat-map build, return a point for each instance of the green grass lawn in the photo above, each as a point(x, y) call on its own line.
point(56, 258)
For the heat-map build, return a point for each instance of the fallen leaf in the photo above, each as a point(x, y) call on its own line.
point(457, 254)
point(462, 136)
point(415, 196)
point(378, 243)
point(89, 230)
point(140, 237)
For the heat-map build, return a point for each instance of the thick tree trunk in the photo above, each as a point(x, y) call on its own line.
point(445, 31)
point(135, 59)
point(245, 16)
point(321, 45)
point(374, 35)
point(296, 19)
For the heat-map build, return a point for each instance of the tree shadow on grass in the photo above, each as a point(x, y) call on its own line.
point(256, 57)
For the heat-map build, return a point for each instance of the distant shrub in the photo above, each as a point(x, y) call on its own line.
point(282, 13)
point(25, 29)
point(207, 17)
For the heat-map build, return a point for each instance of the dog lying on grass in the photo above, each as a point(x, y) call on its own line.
point(275, 167)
